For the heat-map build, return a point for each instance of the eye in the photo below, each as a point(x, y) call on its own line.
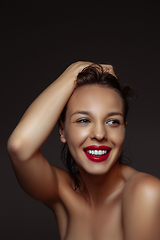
point(83, 120)
point(113, 122)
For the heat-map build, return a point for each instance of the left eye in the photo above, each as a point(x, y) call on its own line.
point(83, 120)
point(113, 122)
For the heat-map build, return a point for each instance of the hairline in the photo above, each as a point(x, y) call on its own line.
point(99, 84)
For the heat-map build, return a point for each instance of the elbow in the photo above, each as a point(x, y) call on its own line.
point(15, 148)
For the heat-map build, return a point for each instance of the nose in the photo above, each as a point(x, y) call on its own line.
point(98, 132)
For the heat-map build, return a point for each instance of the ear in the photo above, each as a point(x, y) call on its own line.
point(61, 132)
point(126, 124)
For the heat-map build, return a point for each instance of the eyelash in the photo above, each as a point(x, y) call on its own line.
point(115, 122)
point(83, 120)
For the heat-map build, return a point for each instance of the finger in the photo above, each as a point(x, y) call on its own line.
point(109, 69)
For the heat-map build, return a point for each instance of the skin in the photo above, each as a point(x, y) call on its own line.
point(95, 127)
point(114, 201)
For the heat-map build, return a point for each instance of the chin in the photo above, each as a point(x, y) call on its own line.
point(95, 168)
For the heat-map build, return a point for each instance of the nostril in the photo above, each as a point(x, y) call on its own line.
point(99, 139)
point(99, 132)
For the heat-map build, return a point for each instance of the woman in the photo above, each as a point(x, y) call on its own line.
point(102, 198)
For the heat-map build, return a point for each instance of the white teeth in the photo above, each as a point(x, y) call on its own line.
point(97, 152)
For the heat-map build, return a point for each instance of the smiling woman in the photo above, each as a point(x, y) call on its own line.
point(100, 195)
point(99, 81)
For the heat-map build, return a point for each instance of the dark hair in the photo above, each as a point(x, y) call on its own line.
point(95, 75)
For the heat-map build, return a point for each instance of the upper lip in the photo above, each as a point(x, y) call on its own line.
point(96, 147)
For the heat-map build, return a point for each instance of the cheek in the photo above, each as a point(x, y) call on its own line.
point(75, 136)
point(117, 136)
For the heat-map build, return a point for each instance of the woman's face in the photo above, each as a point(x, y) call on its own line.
point(94, 128)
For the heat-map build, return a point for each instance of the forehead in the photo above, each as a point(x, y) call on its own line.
point(95, 98)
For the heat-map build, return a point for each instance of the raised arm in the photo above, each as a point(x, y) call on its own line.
point(36, 176)
point(34, 173)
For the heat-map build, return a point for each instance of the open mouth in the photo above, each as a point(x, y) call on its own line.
point(97, 153)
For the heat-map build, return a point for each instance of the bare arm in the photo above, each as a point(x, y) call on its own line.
point(33, 171)
point(36, 176)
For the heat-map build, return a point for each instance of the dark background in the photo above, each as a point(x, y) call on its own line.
point(37, 42)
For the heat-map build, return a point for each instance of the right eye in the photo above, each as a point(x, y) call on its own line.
point(83, 120)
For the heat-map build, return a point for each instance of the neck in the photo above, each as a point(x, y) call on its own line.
point(97, 188)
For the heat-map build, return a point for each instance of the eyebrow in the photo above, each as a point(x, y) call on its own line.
point(89, 113)
point(81, 112)
point(114, 113)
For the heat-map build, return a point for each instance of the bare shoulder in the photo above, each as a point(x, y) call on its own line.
point(139, 183)
point(68, 198)
point(141, 205)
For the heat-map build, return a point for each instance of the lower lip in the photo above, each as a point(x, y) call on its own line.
point(97, 158)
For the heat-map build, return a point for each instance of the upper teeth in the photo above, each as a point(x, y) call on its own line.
point(96, 152)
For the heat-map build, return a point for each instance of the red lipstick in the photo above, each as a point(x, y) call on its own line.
point(97, 153)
